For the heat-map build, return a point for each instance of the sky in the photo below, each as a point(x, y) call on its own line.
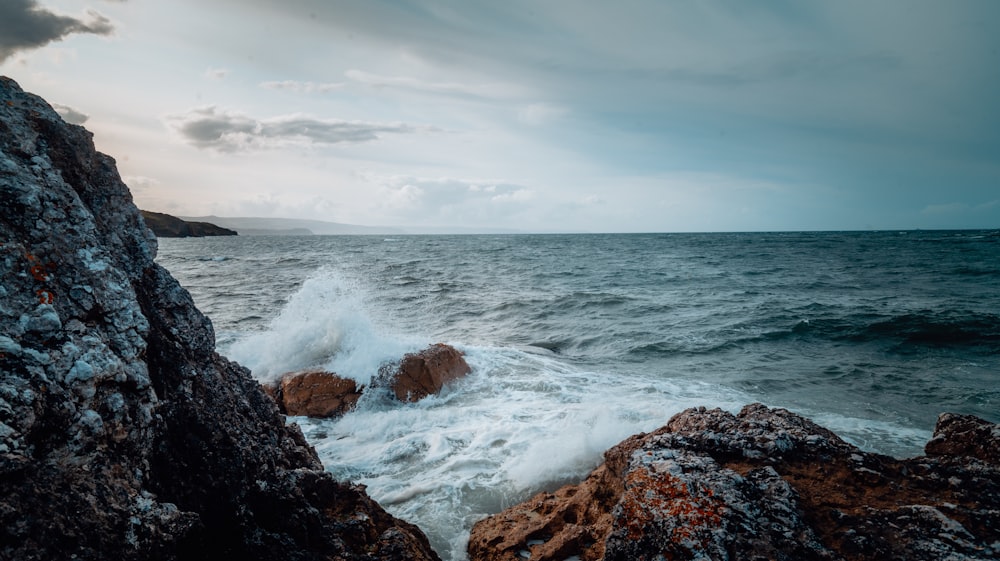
point(530, 115)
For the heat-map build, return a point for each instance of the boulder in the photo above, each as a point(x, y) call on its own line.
point(314, 393)
point(424, 373)
point(965, 435)
point(123, 434)
point(763, 484)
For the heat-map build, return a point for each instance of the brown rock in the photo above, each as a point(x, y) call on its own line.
point(574, 520)
point(965, 435)
point(763, 484)
point(425, 373)
point(314, 393)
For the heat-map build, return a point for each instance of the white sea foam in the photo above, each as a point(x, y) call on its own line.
point(324, 324)
point(519, 424)
point(871, 435)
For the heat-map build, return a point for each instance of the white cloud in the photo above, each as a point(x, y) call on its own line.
point(540, 113)
point(70, 115)
point(231, 131)
point(447, 200)
point(139, 182)
point(515, 196)
point(277, 205)
point(491, 91)
point(216, 73)
point(302, 87)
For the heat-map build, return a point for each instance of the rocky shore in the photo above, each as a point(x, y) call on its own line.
point(124, 435)
point(764, 484)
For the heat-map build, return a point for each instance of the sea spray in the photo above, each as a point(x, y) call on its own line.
point(324, 325)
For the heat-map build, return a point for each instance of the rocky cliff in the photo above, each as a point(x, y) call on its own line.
point(765, 484)
point(167, 226)
point(123, 435)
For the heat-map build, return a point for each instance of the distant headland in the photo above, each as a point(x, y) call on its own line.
point(167, 226)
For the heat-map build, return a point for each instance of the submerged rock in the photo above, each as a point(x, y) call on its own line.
point(314, 393)
point(123, 435)
point(425, 373)
point(763, 484)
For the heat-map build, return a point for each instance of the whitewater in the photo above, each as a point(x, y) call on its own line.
point(578, 341)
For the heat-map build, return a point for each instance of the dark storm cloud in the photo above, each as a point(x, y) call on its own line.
point(24, 24)
point(225, 131)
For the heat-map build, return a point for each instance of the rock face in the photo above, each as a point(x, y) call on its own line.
point(166, 226)
point(314, 393)
point(123, 435)
point(425, 373)
point(764, 484)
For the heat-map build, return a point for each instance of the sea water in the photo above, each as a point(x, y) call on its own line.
point(578, 341)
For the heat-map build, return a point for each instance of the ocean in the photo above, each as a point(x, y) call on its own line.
point(578, 341)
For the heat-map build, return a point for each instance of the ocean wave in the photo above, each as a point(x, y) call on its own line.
point(324, 324)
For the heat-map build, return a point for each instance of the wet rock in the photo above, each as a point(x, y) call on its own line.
point(123, 435)
point(425, 373)
point(763, 484)
point(965, 435)
point(314, 393)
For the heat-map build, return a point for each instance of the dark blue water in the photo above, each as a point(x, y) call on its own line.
point(580, 340)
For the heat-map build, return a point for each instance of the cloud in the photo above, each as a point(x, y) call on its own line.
point(540, 113)
point(447, 200)
point(26, 25)
point(947, 208)
point(229, 131)
point(139, 182)
point(70, 115)
point(491, 91)
point(302, 87)
point(276, 205)
point(216, 73)
point(956, 208)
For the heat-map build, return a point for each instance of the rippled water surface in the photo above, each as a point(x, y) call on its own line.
point(578, 341)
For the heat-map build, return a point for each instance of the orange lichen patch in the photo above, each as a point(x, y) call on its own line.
point(38, 272)
point(652, 497)
point(41, 273)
